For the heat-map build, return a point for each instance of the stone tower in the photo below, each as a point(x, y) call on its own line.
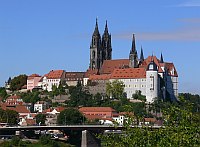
point(133, 57)
point(106, 45)
point(95, 49)
point(152, 81)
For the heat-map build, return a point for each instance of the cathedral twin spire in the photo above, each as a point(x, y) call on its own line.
point(100, 48)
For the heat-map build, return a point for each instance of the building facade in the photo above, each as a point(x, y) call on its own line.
point(152, 76)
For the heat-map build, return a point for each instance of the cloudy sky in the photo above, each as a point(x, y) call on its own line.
point(37, 36)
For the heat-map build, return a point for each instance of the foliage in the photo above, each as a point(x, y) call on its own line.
point(58, 90)
point(79, 97)
point(181, 128)
point(8, 116)
point(138, 96)
point(40, 119)
point(3, 92)
point(70, 116)
point(115, 89)
point(15, 140)
point(18, 82)
point(30, 97)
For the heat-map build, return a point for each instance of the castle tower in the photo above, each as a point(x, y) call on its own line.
point(95, 49)
point(152, 81)
point(106, 45)
point(133, 57)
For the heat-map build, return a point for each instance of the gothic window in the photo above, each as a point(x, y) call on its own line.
point(94, 41)
point(93, 55)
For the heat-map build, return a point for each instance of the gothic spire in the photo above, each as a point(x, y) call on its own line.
point(96, 30)
point(106, 28)
point(141, 55)
point(133, 48)
point(161, 59)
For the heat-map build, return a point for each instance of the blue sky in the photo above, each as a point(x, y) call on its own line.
point(37, 36)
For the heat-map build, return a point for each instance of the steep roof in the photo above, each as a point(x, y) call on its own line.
point(148, 60)
point(96, 109)
point(128, 73)
point(171, 69)
point(109, 65)
point(55, 74)
point(70, 76)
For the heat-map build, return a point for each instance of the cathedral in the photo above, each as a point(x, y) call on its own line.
point(152, 76)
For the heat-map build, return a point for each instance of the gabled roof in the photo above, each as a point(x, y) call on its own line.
point(55, 74)
point(96, 109)
point(170, 67)
point(109, 65)
point(148, 60)
point(129, 73)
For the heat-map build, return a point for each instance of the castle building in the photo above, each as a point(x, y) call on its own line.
point(152, 76)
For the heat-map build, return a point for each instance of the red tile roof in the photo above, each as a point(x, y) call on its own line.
point(90, 72)
point(109, 65)
point(96, 109)
point(55, 74)
point(60, 108)
point(33, 76)
point(170, 67)
point(17, 108)
point(100, 77)
point(146, 62)
point(129, 73)
point(30, 121)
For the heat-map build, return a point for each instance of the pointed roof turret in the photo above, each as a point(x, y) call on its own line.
point(96, 30)
point(141, 55)
point(106, 28)
point(133, 48)
point(161, 58)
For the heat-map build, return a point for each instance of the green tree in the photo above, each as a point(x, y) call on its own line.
point(181, 128)
point(3, 92)
point(8, 116)
point(18, 82)
point(40, 119)
point(70, 116)
point(138, 95)
point(115, 89)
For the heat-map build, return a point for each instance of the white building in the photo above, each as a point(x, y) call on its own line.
point(54, 77)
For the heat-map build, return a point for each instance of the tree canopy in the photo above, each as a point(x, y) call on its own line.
point(115, 89)
point(17, 82)
point(70, 116)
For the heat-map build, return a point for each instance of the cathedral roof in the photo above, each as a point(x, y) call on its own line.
point(109, 65)
point(171, 70)
point(129, 73)
point(148, 60)
point(90, 72)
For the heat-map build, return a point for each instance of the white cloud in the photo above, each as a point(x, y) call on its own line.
point(181, 34)
point(190, 3)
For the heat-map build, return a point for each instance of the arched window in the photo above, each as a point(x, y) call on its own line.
point(93, 54)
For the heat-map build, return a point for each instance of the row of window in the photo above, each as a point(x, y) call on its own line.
point(52, 80)
point(134, 86)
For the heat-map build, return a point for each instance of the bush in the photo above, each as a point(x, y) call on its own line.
point(15, 141)
point(44, 140)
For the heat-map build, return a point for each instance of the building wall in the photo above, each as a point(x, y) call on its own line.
point(32, 83)
point(152, 85)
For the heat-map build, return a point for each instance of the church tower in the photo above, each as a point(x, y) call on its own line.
point(133, 57)
point(95, 49)
point(106, 45)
